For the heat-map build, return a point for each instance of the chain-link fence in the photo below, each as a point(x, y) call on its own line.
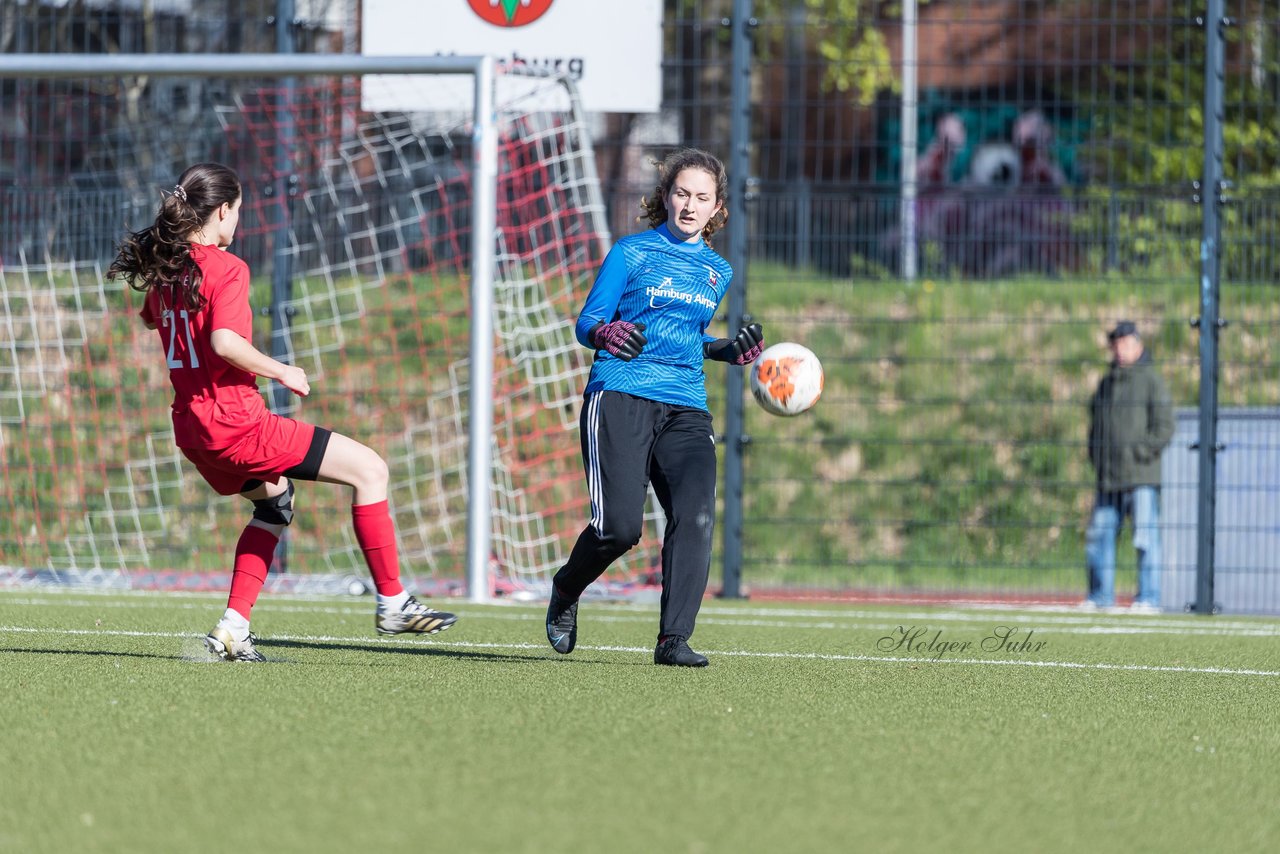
point(962, 323)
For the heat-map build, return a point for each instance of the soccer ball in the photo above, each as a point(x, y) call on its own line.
point(786, 379)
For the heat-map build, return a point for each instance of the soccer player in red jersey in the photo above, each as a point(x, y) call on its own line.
point(197, 300)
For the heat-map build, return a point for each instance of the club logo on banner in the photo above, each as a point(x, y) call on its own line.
point(510, 13)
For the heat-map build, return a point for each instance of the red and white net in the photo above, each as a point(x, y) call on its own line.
point(367, 217)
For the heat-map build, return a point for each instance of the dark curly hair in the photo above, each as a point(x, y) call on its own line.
point(655, 206)
point(160, 255)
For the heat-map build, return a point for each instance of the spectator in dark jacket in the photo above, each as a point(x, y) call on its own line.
point(1130, 423)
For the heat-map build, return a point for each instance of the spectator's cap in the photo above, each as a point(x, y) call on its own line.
point(1122, 329)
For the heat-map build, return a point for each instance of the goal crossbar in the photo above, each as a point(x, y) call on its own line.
point(233, 64)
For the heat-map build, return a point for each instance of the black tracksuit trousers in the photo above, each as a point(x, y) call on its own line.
point(627, 442)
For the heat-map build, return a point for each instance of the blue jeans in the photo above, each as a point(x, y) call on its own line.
point(1142, 505)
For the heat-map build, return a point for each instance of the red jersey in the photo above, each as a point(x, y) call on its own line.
point(215, 404)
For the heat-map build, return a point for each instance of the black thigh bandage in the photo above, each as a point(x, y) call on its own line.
point(309, 468)
point(277, 510)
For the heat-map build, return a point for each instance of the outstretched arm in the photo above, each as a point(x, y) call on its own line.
point(601, 306)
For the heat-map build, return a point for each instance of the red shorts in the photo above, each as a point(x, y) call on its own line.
point(277, 445)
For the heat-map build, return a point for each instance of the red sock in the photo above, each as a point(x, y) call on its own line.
point(376, 534)
point(254, 552)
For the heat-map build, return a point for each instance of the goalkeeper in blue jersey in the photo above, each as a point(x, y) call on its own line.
point(645, 418)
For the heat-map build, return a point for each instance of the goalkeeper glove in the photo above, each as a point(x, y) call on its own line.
point(743, 349)
point(620, 338)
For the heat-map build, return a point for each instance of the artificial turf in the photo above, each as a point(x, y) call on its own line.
point(817, 727)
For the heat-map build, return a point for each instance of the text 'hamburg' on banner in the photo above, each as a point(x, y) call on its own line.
point(612, 51)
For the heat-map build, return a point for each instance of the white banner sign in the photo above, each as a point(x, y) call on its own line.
point(611, 48)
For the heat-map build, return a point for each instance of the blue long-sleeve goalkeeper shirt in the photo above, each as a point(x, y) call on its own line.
point(673, 288)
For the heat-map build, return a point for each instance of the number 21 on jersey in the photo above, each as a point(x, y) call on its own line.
point(168, 319)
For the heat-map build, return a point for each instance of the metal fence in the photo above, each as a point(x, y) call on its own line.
point(1057, 151)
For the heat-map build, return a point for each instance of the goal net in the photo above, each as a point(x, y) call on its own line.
point(356, 225)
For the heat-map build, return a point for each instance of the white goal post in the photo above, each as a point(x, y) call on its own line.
point(480, 546)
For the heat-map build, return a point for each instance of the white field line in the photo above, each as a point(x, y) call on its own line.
point(795, 656)
point(960, 612)
point(741, 617)
point(977, 613)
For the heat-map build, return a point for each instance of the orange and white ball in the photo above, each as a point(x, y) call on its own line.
point(787, 379)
